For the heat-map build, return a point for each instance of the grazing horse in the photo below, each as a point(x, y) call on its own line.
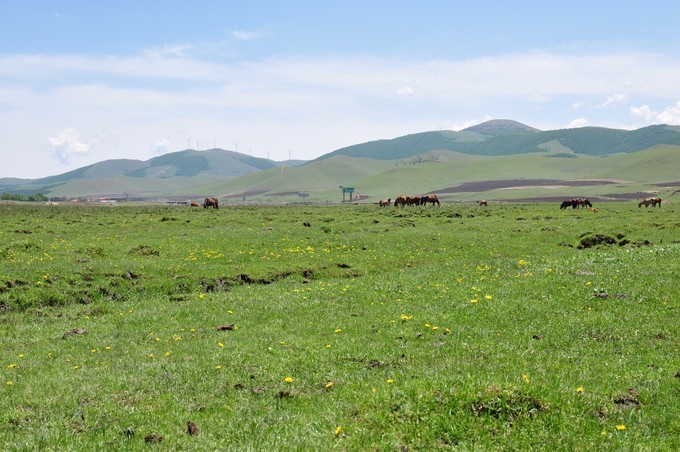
point(413, 200)
point(211, 202)
point(194, 204)
point(583, 203)
point(483, 202)
point(653, 201)
point(429, 198)
point(385, 202)
point(400, 201)
point(568, 203)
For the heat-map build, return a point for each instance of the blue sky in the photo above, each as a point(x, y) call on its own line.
point(84, 81)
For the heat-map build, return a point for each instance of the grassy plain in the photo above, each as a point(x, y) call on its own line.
point(349, 327)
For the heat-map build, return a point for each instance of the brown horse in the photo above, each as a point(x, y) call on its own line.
point(650, 201)
point(385, 202)
point(429, 198)
point(413, 200)
point(211, 202)
point(483, 202)
point(583, 203)
point(194, 204)
point(400, 201)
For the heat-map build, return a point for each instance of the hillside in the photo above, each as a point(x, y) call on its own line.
point(505, 137)
point(458, 177)
point(495, 157)
point(176, 171)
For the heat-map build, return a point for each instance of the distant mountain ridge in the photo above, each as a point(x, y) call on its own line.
point(506, 137)
point(191, 172)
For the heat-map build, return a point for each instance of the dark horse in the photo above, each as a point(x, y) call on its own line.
point(569, 203)
point(211, 202)
point(400, 201)
point(483, 202)
point(429, 198)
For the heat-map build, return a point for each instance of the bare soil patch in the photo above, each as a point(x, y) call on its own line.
point(481, 186)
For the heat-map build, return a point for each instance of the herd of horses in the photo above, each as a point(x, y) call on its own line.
point(656, 201)
point(401, 201)
point(576, 202)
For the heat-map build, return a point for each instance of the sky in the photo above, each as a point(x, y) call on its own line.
point(86, 81)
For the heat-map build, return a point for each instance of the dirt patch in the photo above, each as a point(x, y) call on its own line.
point(630, 400)
point(226, 283)
point(589, 240)
point(244, 194)
point(595, 240)
point(144, 250)
point(507, 405)
point(481, 186)
point(285, 193)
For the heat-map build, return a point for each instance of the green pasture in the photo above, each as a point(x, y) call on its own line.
point(353, 327)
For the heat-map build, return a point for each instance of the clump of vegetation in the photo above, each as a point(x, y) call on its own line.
point(144, 250)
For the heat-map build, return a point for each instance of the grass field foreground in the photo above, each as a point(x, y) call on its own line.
point(516, 326)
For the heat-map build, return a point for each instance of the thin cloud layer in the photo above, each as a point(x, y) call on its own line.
point(156, 100)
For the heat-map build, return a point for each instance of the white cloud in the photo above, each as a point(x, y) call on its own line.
point(539, 99)
point(615, 99)
point(644, 112)
point(405, 91)
point(246, 35)
point(671, 115)
point(67, 144)
point(162, 147)
point(576, 123)
point(577, 105)
point(177, 50)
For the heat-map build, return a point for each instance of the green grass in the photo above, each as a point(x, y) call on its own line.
point(636, 172)
point(453, 327)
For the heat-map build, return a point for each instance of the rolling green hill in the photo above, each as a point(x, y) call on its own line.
point(458, 177)
point(504, 137)
point(499, 159)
